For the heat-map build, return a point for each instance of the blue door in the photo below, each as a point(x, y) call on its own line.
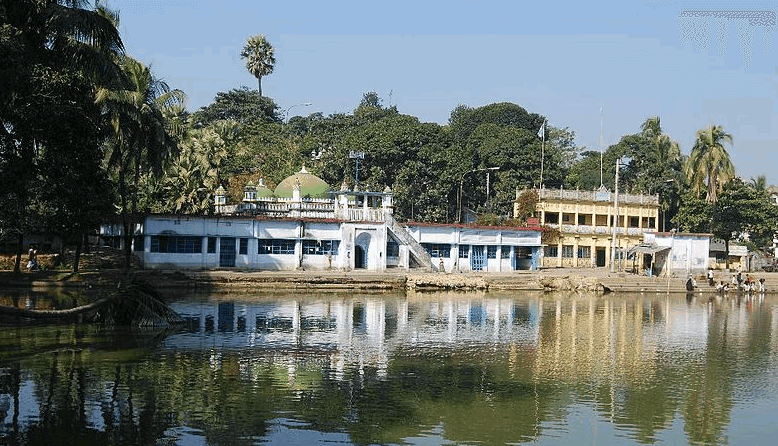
point(477, 259)
point(227, 252)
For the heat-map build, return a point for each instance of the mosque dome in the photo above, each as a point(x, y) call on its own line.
point(310, 185)
point(262, 190)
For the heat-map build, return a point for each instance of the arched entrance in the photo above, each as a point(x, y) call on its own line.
point(360, 262)
point(362, 251)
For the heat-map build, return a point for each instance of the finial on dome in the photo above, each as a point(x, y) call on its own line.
point(303, 170)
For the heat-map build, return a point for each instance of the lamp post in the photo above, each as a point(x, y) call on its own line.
point(462, 180)
point(286, 112)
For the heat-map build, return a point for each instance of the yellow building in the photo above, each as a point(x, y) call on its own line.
point(586, 222)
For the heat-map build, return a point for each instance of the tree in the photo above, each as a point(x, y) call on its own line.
point(46, 47)
point(709, 165)
point(759, 183)
point(745, 213)
point(140, 138)
point(584, 174)
point(191, 178)
point(465, 120)
point(742, 212)
point(240, 105)
point(260, 60)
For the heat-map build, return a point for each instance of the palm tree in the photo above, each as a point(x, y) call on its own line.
point(141, 135)
point(42, 42)
point(260, 60)
point(759, 183)
point(666, 150)
point(193, 175)
point(709, 165)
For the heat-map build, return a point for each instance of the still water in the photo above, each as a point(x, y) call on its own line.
point(411, 369)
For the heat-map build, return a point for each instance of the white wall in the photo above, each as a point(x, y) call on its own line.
point(457, 236)
point(688, 252)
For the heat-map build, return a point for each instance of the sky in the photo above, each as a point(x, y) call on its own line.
point(583, 65)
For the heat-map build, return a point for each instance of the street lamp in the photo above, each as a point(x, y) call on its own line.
point(286, 112)
point(461, 181)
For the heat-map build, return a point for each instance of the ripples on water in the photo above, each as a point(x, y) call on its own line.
point(447, 368)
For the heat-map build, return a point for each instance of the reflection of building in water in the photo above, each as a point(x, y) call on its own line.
point(567, 339)
point(364, 331)
point(622, 338)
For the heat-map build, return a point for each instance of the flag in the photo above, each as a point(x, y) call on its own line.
point(542, 131)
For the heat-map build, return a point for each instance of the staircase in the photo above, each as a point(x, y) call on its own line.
point(418, 252)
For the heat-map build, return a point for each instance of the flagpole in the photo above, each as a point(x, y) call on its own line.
point(602, 145)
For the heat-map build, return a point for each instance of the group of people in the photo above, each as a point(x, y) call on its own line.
point(747, 284)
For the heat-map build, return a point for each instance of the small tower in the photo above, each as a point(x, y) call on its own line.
point(249, 192)
point(219, 199)
point(387, 201)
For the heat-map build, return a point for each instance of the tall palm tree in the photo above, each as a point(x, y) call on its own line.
point(709, 165)
point(141, 137)
point(260, 60)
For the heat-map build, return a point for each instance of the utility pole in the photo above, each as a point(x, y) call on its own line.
point(615, 219)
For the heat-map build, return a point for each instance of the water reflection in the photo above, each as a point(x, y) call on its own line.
point(403, 369)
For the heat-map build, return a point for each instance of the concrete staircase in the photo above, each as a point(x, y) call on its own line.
point(418, 252)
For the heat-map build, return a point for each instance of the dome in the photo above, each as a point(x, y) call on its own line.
point(262, 190)
point(310, 185)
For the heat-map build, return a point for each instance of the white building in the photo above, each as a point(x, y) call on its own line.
point(304, 230)
point(683, 253)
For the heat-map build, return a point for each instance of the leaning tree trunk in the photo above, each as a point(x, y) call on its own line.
point(134, 303)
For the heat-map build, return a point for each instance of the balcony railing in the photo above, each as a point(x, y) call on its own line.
point(361, 214)
point(600, 230)
point(315, 208)
point(606, 196)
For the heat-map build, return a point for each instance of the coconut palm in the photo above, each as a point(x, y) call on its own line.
point(43, 44)
point(260, 60)
point(141, 140)
point(666, 150)
point(759, 183)
point(709, 165)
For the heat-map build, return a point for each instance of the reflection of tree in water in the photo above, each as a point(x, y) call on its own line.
point(66, 391)
point(708, 396)
point(483, 401)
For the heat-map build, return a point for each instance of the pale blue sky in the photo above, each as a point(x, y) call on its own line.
point(561, 59)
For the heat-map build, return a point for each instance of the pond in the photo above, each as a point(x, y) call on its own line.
point(397, 368)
